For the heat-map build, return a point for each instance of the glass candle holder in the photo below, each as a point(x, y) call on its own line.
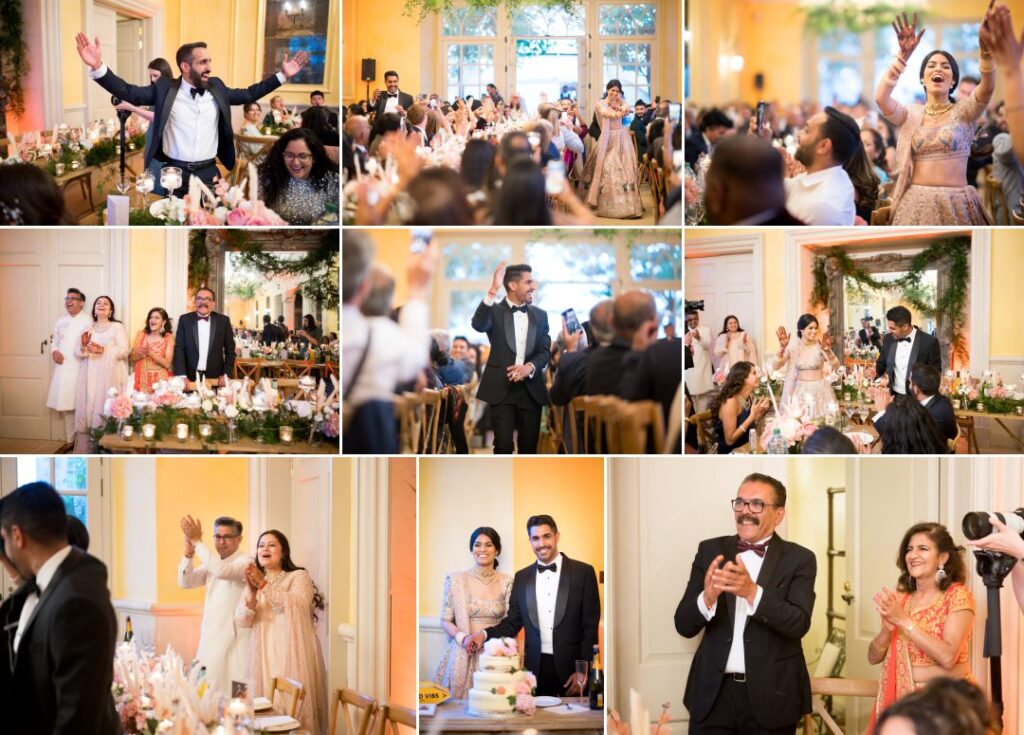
point(127, 432)
point(1020, 410)
point(980, 407)
point(181, 432)
point(60, 169)
point(956, 404)
point(148, 431)
point(205, 430)
point(286, 434)
point(75, 165)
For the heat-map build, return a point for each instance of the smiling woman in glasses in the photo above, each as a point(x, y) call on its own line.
point(299, 181)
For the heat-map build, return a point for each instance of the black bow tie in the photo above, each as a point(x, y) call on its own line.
point(196, 90)
point(31, 587)
point(392, 96)
point(758, 549)
point(548, 568)
point(204, 318)
point(518, 308)
point(904, 339)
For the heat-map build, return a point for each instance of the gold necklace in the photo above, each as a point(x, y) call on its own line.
point(936, 110)
point(485, 576)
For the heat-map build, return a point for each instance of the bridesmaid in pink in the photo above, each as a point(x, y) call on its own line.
point(473, 599)
point(153, 350)
point(282, 604)
point(615, 188)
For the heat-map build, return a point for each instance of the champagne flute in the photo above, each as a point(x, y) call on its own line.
point(582, 668)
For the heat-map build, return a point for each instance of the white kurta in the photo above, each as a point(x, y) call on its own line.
point(223, 645)
point(67, 332)
point(698, 378)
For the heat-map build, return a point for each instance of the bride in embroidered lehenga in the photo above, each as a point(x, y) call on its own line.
point(614, 186)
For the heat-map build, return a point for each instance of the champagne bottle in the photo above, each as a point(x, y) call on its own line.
point(128, 634)
point(596, 685)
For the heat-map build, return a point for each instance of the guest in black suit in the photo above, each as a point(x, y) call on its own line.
point(752, 595)
point(270, 334)
point(513, 384)
point(557, 602)
point(714, 126)
point(868, 335)
point(393, 100)
point(63, 639)
point(744, 185)
point(316, 99)
point(903, 347)
point(205, 344)
point(571, 375)
point(635, 318)
point(192, 130)
point(653, 374)
point(924, 387)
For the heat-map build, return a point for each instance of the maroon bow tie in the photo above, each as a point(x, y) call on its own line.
point(758, 549)
point(204, 318)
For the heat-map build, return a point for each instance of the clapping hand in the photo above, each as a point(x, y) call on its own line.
point(291, 67)
point(907, 35)
point(254, 577)
point(733, 577)
point(90, 53)
point(85, 339)
point(711, 592)
point(192, 529)
point(888, 606)
point(760, 408)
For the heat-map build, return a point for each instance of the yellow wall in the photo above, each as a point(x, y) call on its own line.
point(71, 69)
point(147, 265)
point(569, 490)
point(340, 605)
point(770, 37)
point(1007, 319)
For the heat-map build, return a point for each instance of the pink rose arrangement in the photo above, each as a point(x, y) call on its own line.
point(526, 704)
point(501, 647)
point(331, 427)
point(122, 407)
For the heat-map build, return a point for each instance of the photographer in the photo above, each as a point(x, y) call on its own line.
point(1011, 543)
point(697, 339)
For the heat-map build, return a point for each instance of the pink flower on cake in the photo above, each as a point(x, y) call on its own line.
point(526, 704)
point(523, 687)
point(531, 680)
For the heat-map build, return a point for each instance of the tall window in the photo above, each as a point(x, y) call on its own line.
point(537, 20)
point(470, 64)
point(69, 475)
point(627, 33)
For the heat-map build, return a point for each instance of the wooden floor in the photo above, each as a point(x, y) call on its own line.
point(29, 446)
point(646, 220)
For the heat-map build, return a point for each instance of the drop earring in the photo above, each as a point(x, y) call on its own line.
point(940, 575)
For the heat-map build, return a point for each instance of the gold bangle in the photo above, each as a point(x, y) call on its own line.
point(986, 68)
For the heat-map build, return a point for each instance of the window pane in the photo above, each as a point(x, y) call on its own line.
point(77, 506)
point(473, 261)
point(469, 22)
point(70, 473)
point(555, 297)
point(656, 261)
point(578, 262)
point(842, 42)
point(839, 81)
point(461, 307)
point(535, 20)
point(453, 56)
point(670, 306)
point(627, 20)
point(33, 469)
point(960, 39)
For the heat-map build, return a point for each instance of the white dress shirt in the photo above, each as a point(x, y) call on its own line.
point(736, 663)
point(204, 343)
point(902, 365)
point(398, 351)
point(191, 131)
point(822, 198)
point(392, 104)
point(547, 595)
point(43, 578)
point(522, 324)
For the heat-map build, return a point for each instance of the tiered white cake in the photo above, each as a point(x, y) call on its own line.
point(498, 680)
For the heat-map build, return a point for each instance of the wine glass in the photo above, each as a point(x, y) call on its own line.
point(864, 410)
point(849, 408)
point(170, 178)
point(122, 185)
point(582, 668)
point(144, 184)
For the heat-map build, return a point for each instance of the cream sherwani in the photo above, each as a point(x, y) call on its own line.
point(223, 645)
point(67, 333)
point(699, 378)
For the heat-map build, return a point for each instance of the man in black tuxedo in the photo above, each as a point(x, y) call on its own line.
point(393, 100)
point(557, 602)
point(192, 128)
point(513, 383)
point(62, 640)
point(868, 335)
point(903, 347)
point(714, 126)
point(204, 345)
point(635, 319)
point(752, 595)
point(924, 386)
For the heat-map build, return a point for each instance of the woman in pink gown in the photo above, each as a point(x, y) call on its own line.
point(473, 599)
point(281, 605)
point(153, 350)
point(615, 188)
point(103, 350)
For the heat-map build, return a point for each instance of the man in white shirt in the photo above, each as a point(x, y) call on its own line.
point(699, 377)
point(223, 646)
point(752, 595)
point(824, 195)
point(192, 128)
point(67, 333)
point(556, 602)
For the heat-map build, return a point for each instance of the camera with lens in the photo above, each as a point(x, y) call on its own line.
point(695, 305)
point(977, 525)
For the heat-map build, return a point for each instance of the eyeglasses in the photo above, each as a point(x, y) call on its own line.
point(203, 298)
point(300, 157)
point(227, 537)
point(756, 505)
point(72, 298)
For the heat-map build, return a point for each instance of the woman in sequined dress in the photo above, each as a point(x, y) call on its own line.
point(298, 179)
point(473, 599)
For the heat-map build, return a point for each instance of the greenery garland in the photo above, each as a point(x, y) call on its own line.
point(850, 16)
point(420, 9)
point(14, 64)
point(951, 304)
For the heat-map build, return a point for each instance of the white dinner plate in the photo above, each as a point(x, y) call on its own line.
point(277, 723)
point(261, 703)
point(547, 701)
point(861, 436)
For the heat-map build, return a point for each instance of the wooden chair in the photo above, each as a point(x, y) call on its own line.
point(954, 443)
point(834, 687)
point(251, 368)
point(1018, 216)
point(244, 156)
point(641, 167)
point(657, 186)
point(349, 701)
point(292, 691)
point(296, 368)
point(995, 199)
point(965, 427)
point(707, 441)
point(641, 426)
point(390, 716)
point(882, 216)
point(82, 179)
point(556, 418)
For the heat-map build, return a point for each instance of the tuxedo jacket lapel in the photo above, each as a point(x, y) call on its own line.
point(531, 331)
point(510, 328)
point(914, 350)
point(531, 596)
point(564, 582)
point(218, 90)
point(194, 329)
point(214, 327)
point(730, 555)
point(55, 582)
point(772, 556)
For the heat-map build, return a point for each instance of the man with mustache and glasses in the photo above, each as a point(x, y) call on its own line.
point(193, 128)
point(556, 601)
point(752, 595)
